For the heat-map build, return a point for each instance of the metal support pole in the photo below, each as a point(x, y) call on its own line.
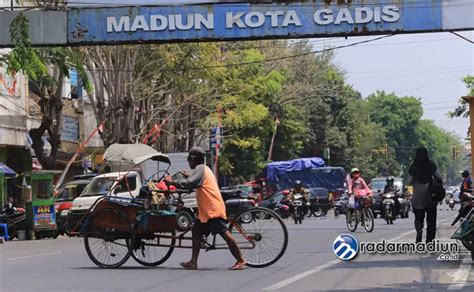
point(470, 101)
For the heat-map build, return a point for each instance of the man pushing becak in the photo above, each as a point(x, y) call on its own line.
point(212, 216)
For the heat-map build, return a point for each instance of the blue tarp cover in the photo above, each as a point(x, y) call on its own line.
point(310, 171)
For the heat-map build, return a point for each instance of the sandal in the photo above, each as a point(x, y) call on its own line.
point(188, 265)
point(238, 266)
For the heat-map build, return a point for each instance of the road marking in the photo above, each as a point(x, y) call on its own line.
point(36, 255)
point(300, 276)
point(314, 270)
point(461, 275)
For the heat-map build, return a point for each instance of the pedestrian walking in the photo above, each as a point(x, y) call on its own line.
point(421, 173)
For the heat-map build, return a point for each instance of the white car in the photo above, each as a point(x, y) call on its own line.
point(101, 186)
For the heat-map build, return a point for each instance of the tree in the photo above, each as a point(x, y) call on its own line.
point(462, 110)
point(46, 68)
point(440, 144)
point(112, 70)
point(399, 116)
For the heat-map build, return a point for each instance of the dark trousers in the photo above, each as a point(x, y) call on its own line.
point(430, 222)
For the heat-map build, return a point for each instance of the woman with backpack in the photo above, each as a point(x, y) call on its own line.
point(421, 173)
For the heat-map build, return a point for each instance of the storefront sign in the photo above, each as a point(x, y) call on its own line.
point(70, 129)
point(44, 216)
point(8, 83)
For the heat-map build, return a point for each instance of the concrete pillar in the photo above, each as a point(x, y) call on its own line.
point(470, 101)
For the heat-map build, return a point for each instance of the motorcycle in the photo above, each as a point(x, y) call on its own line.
point(451, 203)
point(404, 206)
point(15, 218)
point(298, 212)
point(282, 209)
point(340, 206)
point(465, 231)
point(388, 204)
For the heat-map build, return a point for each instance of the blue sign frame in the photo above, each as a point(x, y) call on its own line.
point(238, 21)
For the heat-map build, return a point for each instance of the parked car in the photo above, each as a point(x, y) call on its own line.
point(99, 187)
point(318, 202)
point(64, 197)
point(273, 200)
point(236, 206)
point(238, 191)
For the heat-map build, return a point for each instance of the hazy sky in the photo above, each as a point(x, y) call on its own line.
point(429, 66)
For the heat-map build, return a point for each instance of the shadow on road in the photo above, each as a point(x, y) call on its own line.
point(150, 268)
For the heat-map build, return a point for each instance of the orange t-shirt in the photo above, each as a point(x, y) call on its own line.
point(209, 198)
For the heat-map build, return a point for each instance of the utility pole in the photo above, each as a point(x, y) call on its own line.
point(470, 101)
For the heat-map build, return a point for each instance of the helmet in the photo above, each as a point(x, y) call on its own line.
point(298, 184)
point(390, 179)
point(354, 170)
point(465, 173)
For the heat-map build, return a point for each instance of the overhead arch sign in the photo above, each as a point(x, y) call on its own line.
point(240, 21)
point(267, 20)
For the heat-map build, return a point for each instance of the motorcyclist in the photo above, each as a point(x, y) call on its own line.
point(299, 190)
point(357, 187)
point(466, 186)
point(8, 208)
point(390, 188)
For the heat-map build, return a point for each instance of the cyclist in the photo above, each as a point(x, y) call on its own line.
point(357, 187)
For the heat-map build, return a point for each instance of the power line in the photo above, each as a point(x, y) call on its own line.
point(407, 75)
point(259, 61)
point(428, 69)
point(405, 5)
point(416, 5)
point(440, 102)
point(463, 37)
point(435, 82)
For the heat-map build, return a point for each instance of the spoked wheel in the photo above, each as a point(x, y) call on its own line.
point(368, 218)
point(351, 220)
point(147, 252)
point(106, 238)
point(269, 236)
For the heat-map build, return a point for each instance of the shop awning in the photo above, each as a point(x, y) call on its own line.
point(7, 171)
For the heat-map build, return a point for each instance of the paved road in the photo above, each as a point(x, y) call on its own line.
point(308, 265)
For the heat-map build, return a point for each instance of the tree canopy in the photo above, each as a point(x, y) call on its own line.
point(270, 103)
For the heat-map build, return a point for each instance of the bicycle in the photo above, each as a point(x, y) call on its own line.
point(363, 214)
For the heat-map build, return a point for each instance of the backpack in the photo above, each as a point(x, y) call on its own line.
point(436, 189)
